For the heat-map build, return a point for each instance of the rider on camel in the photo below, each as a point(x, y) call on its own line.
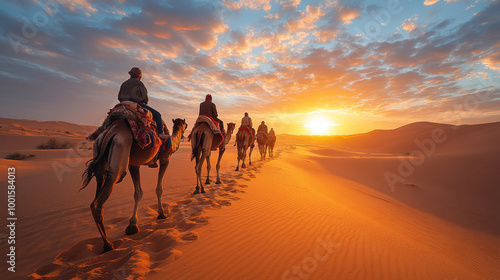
point(271, 132)
point(262, 128)
point(208, 108)
point(134, 90)
point(246, 121)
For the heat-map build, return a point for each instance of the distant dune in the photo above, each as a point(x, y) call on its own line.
point(35, 128)
point(402, 140)
point(18, 134)
point(416, 202)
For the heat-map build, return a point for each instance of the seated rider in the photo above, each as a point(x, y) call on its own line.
point(271, 132)
point(134, 90)
point(262, 128)
point(208, 108)
point(247, 121)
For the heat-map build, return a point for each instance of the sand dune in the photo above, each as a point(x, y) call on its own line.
point(322, 208)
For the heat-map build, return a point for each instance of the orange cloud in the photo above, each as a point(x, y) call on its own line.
point(492, 61)
point(430, 2)
point(250, 4)
point(135, 31)
point(347, 14)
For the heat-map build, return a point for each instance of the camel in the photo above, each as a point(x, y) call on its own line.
point(262, 142)
point(202, 143)
point(244, 140)
point(115, 150)
point(222, 149)
point(271, 141)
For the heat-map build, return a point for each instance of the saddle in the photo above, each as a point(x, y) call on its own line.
point(247, 129)
point(251, 131)
point(214, 126)
point(141, 123)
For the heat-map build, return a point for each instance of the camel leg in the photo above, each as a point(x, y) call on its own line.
point(221, 152)
point(159, 187)
point(205, 154)
point(199, 165)
point(197, 169)
point(96, 207)
point(239, 158)
point(117, 163)
point(208, 168)
point(136, 178)
point(250, 155)
point(243, 157)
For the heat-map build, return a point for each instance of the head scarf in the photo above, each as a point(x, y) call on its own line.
point(135, 72)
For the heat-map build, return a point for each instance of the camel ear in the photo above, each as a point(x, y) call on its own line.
point(173, 120)
point(184, 120)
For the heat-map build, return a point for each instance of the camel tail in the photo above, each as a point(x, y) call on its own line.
point(101, 148)
point(89, 173)
point(198, 144)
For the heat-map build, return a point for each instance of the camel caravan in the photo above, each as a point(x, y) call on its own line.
point(134, 134)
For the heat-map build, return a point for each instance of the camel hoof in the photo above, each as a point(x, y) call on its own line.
point(207, 182)
point(108, 248)
point(218, 182)
point(202, 191)
point(131, 230)
point(196, 192)
point(161, 216)
point(237, 169)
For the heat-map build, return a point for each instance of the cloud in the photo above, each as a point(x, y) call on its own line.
point(249, 4)
point(492, 61)
point(409, 24)
point(74, 5)
point(287, 4)
point(347, 13)
point(430, 2)
point(306, 19)
point(301, 57)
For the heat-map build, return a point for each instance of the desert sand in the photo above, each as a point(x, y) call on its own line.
point(417, 202)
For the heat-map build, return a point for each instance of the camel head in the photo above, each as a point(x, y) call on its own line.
point(180, 125)
point(230, 128)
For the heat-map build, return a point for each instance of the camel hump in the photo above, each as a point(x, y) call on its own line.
point(140, 121)
point(214, 125)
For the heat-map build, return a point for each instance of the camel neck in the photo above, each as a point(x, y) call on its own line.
point(228, 138)
point(176, 140)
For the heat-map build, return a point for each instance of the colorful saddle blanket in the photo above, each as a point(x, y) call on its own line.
point(214, 126)
point(247, 129)
point(243, 128)
point(140, 120)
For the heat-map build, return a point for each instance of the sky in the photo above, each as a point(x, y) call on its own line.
point(304, 67)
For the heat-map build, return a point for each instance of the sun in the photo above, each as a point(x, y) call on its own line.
point(319, 125)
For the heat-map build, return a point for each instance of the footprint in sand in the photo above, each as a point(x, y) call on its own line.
point(190, 236)
point(154, 245)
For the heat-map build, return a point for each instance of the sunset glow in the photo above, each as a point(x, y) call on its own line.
point(382, 63)
point(320, 125)
point(301, 139)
